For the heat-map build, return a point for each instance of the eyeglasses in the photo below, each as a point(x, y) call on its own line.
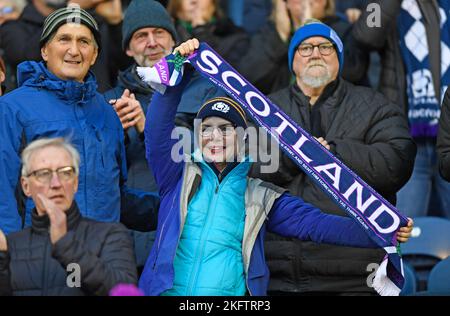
point(224, 130)
point(306, 50)
point(44, 176)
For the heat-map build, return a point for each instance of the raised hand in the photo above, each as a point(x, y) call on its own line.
point(404, 233)
point(188, 47)
point(353, 14)
point(306, 12)
point(282, 20)
point(129, 111)
point(58, 219)
point(323, 142)
point(111, 10)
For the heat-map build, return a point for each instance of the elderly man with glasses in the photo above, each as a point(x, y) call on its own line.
point(61, 253)
point(360, 127)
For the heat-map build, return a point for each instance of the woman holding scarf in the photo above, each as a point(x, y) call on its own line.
point(213, 218)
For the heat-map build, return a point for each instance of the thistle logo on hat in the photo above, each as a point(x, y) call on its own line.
point(225, 108)
point(220, 106)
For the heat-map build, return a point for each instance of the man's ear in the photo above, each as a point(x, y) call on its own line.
point(25, 186)
point(95, 56)
point(44, 53)
point(129, 52)
point(76, 184)
point(2, 76)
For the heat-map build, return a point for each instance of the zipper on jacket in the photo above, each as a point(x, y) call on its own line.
point(157, 248)
point(44, 271)
point(78, 117)
point(209, 216)
point(178, 242)
point(197, 260)
point(246, 284)
point(182, 223)
point(218, 184)
point(161, 233)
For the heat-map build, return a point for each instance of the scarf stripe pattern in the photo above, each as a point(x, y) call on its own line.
point(423, 105)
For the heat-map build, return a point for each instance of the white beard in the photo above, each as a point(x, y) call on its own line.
point(315, 81)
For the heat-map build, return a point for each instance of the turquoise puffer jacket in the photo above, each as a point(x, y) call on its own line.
point(208, 260)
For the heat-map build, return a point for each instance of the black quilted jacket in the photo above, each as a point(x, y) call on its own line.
point(370, 135)
point(33, 266)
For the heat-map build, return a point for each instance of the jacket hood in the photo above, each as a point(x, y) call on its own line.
point(36, 74)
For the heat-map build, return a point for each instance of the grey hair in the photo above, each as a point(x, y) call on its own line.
point(42, 143)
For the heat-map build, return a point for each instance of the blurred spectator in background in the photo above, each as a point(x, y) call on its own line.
point(10, 9)
point(42, 259)
point(265, 64)
point(413, 38)
point(205, 20)
point(20, 38)
point(351, 9)
point(251, 15)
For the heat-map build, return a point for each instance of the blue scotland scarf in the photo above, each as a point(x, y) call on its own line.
point(424, 108)
point(376, 216)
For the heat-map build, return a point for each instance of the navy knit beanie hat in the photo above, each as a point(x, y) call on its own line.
point(69, 14)
point(225, 108)
point(316, 29)
point(145, 13)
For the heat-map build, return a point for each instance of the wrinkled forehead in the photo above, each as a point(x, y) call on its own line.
point(152, 29)
point(47, 156)
point(75, 29)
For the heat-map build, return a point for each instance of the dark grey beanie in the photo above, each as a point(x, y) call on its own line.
point(69, 14)
point(145, 13)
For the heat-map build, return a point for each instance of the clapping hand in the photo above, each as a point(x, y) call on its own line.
point(58, 218)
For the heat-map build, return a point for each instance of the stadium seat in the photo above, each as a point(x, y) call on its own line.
point(410, 286)
point(428, 245)
point(439, 280)
point(430, 237)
